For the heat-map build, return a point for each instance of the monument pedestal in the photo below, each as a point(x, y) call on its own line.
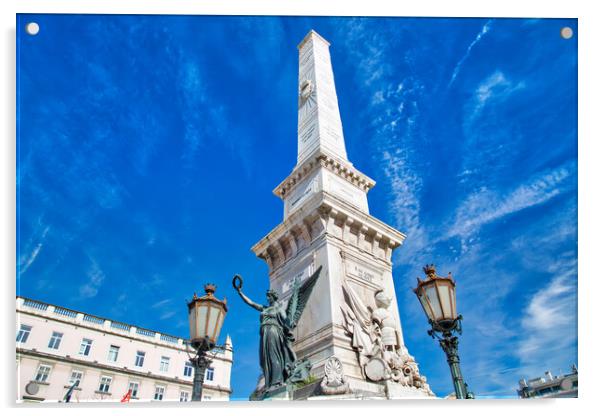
point(363, 390)
point(397, 391)
point(278, 393)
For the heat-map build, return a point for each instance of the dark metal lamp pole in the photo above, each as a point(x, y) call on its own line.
point(449, 344)
point(200, 362)
point(206, 315)
point(437, 296)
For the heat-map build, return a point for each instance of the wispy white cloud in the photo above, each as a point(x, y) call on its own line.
point(485, 205)
point(490, 141)
point(551, 306)
point(167, 315)
point(497, 86)
point(405, 185)
point(490, 148)
point(486, 27)
point(194, 101)
point(96, 277)
point(160, 303)
point(549, 321)
point(395, 102)
point(396, 120)
point(25, 261)
point(367, 49)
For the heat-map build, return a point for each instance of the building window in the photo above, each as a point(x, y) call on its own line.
point(133, 387)
point(105, 384)
point(43, 373)
point(23, 333)
point(206, 397)
point(85, 346)
point(113, 353)
point(140, 359)
point(164, 366)
point(188, 369)
point(55, 340)
point(184, 396)
point(209, 374)
point(76, 378)
point(159, 391)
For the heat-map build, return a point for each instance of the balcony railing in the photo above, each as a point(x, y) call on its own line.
point(65, 312)
point(145, 332)
point(35, 304)
point(94, 319)
point(169, 338)
point(121, 326)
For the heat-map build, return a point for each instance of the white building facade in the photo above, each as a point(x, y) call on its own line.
point(57, 347)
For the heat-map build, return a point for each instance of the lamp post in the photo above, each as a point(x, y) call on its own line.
point(205, 315)
point(437, 295)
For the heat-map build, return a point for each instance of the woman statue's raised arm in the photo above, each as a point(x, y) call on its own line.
point(237, 283)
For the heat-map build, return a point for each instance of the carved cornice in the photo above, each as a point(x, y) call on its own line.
point(318, 216)
point(341, 168)
point(347, 172)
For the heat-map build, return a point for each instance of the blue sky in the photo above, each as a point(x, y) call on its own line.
point(148, 147)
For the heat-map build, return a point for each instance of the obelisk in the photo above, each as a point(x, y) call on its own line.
point(327, 222)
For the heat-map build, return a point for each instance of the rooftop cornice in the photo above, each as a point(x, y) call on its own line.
point(341, 168)
point(57, 313)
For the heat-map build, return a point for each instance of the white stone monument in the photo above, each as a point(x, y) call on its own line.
point(352, 314)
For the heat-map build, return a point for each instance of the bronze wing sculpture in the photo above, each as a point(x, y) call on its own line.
point(276, 356)
point(299, 297)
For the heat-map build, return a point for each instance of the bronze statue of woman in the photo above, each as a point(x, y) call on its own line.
point(276, 354)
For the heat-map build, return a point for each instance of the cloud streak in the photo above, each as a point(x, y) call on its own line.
point(394, 109)
point(496, 86)
point(486, 189)
point(160, 303)
point(486, 206)
point(550, 322)
point(486, 27)
point(26, 262)
point(95, 279)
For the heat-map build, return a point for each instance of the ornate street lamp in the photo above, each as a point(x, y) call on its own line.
point(437, 295)
point(206, 315)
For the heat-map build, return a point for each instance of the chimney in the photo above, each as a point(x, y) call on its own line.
point(549, 375)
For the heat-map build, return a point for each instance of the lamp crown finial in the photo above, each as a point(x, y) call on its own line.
point(429, 270)
point(210, 288)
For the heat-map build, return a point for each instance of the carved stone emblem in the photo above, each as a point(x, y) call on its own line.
point(377, 369)
point(374, 335)
point(334, 381)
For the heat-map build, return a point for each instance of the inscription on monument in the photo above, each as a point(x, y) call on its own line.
point(308, 133)
point(300, 194)
point(362, 272)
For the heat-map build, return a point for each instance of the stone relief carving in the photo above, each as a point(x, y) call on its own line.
point(375, 337)
point(334, 381)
